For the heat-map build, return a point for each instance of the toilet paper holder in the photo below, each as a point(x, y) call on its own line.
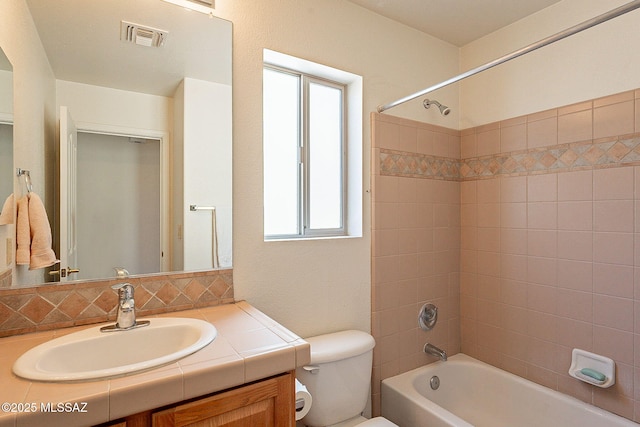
point(303, 400)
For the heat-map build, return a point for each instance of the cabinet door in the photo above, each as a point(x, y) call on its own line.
point(268, 403)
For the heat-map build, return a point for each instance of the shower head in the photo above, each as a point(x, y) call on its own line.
point(444, 110)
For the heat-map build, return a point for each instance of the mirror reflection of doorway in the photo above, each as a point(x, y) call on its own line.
point(119, 205)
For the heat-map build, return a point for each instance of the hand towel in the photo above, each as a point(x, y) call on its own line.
point(41, 241)
point(6, 215)
point(23, 232)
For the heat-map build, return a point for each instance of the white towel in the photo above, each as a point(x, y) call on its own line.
point(6, 215)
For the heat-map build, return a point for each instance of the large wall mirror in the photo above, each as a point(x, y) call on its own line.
point(142, 179)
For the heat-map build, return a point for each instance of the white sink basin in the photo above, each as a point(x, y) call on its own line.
point(90, 354)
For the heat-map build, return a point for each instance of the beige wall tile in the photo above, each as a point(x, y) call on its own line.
point(542, 215)
point(575, 186)
point(513, 189)
point(613, 312)
point(541, 271)
point(613, 279)
point(614, 119)
point(513, 241)
point(574, 127)
point(576, 216)
point(576, 275)
point(488, 191)
point(424, 142)
point(542, 133)
point(613, 215)
point(488, 142)
point(575, 245)
point(542, 188)
point(468, 146)
point(613, 184)
point(613, 248)
point(513, 138)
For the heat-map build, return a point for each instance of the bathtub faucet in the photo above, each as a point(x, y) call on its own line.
point(435, 351)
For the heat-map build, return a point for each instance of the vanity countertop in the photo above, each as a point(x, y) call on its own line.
point(250, 346)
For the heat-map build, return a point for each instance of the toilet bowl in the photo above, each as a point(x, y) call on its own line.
point(339, 379)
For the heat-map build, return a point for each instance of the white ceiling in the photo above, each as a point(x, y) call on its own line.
point(82, 41)
point(455, 21)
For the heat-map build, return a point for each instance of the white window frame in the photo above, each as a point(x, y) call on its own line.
point(352, 144)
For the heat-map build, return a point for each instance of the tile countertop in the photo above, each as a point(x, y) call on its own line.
point(249, 346)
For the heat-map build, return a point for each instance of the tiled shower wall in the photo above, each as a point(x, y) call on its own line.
point(416, 248)
point(549, 243)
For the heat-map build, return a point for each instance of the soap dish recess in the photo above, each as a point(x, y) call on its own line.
point(581, 359)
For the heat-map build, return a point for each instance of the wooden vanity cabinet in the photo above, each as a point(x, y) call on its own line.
point(268, 403)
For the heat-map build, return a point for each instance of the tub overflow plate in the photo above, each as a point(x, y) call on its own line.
point(434, 382)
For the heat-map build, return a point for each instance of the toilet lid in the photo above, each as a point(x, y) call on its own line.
point(377, 422)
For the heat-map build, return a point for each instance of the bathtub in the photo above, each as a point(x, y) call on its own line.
point(472, 393)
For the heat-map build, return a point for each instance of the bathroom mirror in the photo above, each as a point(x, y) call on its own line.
point(138, 75)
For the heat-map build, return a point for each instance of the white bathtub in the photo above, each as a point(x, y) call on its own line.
point(472, 393)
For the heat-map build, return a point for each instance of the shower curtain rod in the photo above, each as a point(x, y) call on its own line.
point(628, 7)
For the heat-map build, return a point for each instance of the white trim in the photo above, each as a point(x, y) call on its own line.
point(6, 118)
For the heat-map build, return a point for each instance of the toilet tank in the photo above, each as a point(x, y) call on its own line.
point(338, 377)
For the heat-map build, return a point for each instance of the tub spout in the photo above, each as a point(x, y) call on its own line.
point(435, 351)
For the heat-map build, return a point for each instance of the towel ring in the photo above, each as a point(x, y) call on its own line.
point(27, 178)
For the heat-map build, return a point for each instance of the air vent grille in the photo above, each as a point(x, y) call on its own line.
point(142, 35)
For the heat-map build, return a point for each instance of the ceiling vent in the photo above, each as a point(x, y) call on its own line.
point(142, 35)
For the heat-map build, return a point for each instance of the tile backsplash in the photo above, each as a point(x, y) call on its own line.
point(31, 309)
point(549, 240)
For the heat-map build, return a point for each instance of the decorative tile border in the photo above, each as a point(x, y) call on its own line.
point(620, 151)
point(418, 165)
point(5, 278)
point(24, 310)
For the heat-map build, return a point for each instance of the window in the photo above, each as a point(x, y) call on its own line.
point(304, 155)
point(313, 150)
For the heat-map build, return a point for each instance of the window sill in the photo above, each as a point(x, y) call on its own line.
point(308, 238)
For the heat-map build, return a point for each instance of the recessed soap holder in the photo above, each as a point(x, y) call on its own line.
point(592, 368)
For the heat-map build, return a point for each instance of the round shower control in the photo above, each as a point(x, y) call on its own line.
point(428, 317)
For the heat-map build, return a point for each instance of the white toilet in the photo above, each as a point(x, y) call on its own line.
point(338, 379)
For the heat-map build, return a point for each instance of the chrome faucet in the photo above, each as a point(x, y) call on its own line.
point(126, 310)
point(435, 351)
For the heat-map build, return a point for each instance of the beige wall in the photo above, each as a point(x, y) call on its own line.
point(594, 63)
point(319, 286)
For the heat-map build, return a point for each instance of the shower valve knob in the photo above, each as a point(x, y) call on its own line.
point(428, 317)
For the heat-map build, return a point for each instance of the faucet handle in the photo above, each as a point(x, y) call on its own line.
point(125, 290)
point(427, 317)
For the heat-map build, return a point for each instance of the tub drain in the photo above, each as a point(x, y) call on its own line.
point(435, 382)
